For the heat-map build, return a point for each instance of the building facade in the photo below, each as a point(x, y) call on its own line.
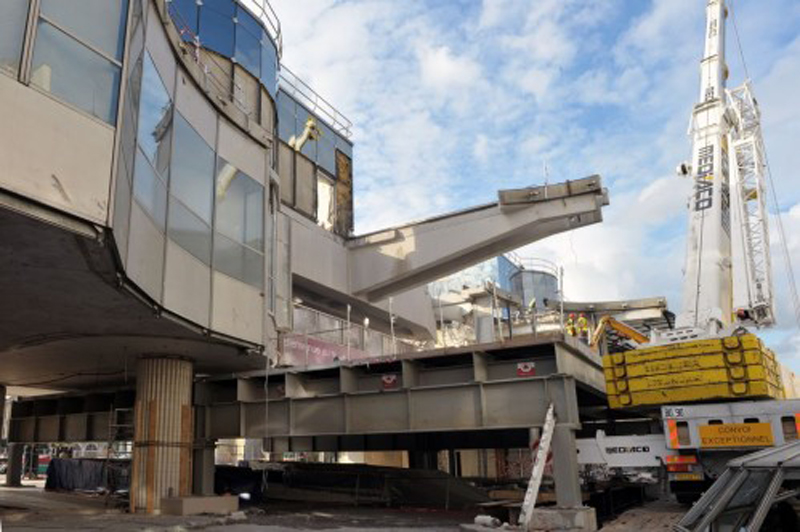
point(169, 193)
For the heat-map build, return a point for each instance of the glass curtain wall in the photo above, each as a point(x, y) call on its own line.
point(239, 238)
point(191, 190)
point(229, 29)
point(77, 54)
point(13, 16)
point(151, 169)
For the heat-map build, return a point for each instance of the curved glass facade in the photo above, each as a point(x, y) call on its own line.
point(229, 29)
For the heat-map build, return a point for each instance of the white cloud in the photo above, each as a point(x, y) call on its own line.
point(480, 149)
point(451, 103)
point(444, 72)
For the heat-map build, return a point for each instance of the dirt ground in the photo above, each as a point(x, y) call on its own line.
point(31, 509)
point(656, 516)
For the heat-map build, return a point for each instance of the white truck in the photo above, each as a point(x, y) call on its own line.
point(697, 442)
point(707, 436)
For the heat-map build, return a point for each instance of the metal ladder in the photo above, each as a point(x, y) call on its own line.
point(537, 472)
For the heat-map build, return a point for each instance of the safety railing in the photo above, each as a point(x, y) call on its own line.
point(216, 79)
point(301, 92)
point(533, 264)
point(264, 12)
point(322, 339)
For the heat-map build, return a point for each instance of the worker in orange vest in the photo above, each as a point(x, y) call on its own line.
point(570, 326)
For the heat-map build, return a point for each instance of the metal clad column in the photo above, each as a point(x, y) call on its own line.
point(162, 452)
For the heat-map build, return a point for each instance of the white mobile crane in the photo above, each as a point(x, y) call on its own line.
point(727, 289)
point(728, 273)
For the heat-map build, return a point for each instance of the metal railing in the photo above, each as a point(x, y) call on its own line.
point(533, 264)
point(323, 339)
point(308, 97)
point(263, 11)
point(216, 78)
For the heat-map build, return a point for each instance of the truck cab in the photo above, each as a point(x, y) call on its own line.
point(707, 436)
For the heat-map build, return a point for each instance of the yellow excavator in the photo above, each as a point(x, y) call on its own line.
point(625, 330)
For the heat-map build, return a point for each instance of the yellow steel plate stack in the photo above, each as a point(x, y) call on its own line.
point(734, 367)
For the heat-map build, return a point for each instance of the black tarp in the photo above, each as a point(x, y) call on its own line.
point(87, 474)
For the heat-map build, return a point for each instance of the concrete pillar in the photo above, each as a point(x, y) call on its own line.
point(163, 435)
point(2, 411)
point(14, 465)
point(204, 470)
point(565, 468)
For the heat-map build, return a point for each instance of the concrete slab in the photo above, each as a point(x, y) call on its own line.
point(217, 505)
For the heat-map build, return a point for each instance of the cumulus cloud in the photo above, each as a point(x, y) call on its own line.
point(452, 101)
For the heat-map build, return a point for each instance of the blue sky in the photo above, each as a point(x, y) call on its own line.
point(453, 100)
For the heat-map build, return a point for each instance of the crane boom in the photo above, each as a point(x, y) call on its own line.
point(707, 291)
point(728, 270)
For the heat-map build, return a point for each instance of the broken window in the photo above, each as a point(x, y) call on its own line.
point(344, 194)
point(286, 173)
point(306, 186)
point(326, 201)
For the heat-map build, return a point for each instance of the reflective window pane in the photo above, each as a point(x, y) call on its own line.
point(216, 31)
point(326, 148)
point(149, 191)
point(248, 51)
point(188, 231)
point(155, 116)
point(100, 23)
point(74, 73)
point(192, 175)
point(223, 7)
point(248, 21)
point(185, 13)
point(240, 206)
point(344, 146)
point(286, 110)
point(269, 65)
point(238, 261)
point(309, 149)
point(12, 31)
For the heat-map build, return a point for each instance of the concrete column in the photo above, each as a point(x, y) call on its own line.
point(204, 470)
point(2, 410)
point(162, 449)
point(14, 465)
point(565, 468)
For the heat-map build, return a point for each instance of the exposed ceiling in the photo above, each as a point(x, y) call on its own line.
point(67, 324)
